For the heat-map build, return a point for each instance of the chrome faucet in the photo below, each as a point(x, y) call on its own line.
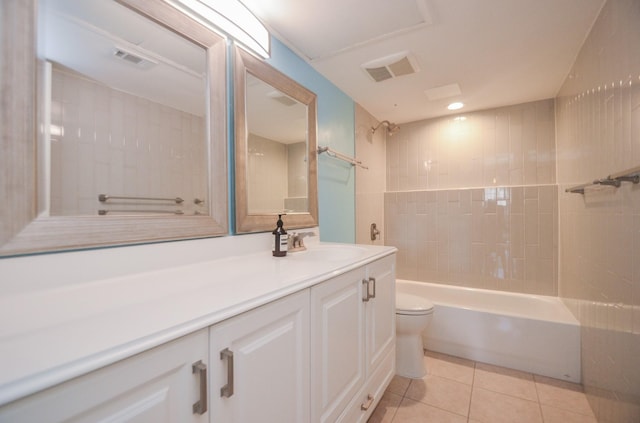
point(296, 242)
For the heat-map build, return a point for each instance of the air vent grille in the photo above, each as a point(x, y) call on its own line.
point(402, 67)
point(281, 98)
point(379, 74)
point(134, 57)
point(285, 100)
point(131, 58)
point(392, 66)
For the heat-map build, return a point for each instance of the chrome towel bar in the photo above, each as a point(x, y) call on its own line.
point(104, 212)
point(104, 197)
point(616, 179)
point(341, 156)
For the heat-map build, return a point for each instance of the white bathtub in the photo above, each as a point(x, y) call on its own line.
point(532, 333)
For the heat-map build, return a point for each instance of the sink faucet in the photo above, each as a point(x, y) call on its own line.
point(296, 242)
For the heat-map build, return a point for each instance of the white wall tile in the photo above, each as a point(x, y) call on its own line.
point(110, 147)
point(473, 237)
point(598, 127)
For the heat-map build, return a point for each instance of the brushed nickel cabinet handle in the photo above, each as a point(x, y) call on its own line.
point(365, 290)
point(366, 405)
point(200, 407)
point(227, 390)
point(373, 280)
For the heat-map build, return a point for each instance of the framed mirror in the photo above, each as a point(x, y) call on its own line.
point(127, 139)
point(275, 148)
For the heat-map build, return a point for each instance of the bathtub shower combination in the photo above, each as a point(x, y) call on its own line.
point(532, 333)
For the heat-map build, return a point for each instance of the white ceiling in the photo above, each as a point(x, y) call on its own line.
point(499, 52)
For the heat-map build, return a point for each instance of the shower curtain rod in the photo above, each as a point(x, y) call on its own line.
point(341, 156)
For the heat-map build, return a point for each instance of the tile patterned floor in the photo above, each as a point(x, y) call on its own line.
point(456, 390)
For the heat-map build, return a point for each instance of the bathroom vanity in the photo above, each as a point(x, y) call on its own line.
point(308, 337)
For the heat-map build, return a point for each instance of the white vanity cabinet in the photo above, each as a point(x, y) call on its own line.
point(353, 342)
point(159, 385)
point(321, 351)
point(260, 364)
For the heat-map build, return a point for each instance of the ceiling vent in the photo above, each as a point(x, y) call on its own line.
point(391, 66)
point(133, 58)
point(282, 98)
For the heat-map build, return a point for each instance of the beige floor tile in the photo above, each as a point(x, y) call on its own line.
point(506, 381)
point(386, 408)
point(494, 407)
point(557, 415)
point(399, 385)
point(455, 368)
point(416, 412)
point(561, 394)
point(441, 392)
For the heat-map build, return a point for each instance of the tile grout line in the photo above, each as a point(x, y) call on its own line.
point(473, 382)
point(538, 396)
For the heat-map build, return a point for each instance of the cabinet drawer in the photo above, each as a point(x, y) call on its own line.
point(371, 393)
point(156, 386)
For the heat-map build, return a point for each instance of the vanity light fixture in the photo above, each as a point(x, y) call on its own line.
point(232, 18)
point(455, 106)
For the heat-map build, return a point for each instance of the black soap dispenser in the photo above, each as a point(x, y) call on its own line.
point(280, 239)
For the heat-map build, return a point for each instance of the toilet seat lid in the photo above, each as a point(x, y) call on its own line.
point(412, 304)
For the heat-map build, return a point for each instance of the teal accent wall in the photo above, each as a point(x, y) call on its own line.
point(336, 129)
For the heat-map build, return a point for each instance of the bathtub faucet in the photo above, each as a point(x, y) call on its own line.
point(374, 232)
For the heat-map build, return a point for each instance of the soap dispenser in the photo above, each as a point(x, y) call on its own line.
point(280, 239)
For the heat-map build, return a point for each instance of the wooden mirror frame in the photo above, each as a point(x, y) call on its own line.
point(22, 229)
point(250, 222)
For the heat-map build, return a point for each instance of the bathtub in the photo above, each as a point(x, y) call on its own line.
point(532, 333)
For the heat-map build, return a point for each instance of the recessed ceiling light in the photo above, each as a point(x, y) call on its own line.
point(455, 106)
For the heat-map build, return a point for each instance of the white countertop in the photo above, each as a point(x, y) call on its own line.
point(50, 335)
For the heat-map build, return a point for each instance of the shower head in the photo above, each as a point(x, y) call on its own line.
point(391, 127)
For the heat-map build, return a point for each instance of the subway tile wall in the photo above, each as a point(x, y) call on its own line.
point(266, 157)
point(502, 238)
point(471, 199)
point(507, 146)
point(284, 184)
point(105, 141)
point(598, 133)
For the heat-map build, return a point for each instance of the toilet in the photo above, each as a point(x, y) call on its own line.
point(413, 314)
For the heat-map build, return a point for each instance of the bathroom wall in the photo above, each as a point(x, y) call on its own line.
point(471, 199)
point(598, 134)
point(112, 142)
point(370, 182)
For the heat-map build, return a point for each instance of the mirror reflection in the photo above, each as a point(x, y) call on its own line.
point(125, 113)
point(277, 150)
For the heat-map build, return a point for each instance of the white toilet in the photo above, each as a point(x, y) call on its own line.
point(413, 315)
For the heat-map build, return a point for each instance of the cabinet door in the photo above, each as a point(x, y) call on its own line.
point(155, 386)
point(260, 364)
point(381, 311)
point(337, 344)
